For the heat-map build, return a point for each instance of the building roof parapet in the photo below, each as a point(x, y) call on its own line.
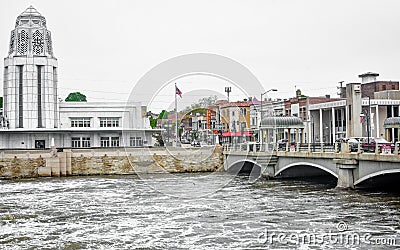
point(325, 105)
point(98, 104)
point(368, 74)
point(365, 102)
point(236, 104)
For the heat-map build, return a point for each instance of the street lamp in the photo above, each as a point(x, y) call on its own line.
point(261, 111)
point(266, 92)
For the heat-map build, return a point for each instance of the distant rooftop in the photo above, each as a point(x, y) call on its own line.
point(368, 74)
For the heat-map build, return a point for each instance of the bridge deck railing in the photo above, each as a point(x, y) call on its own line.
point(337, 147)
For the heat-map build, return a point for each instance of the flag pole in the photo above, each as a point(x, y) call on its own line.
point(176, 117)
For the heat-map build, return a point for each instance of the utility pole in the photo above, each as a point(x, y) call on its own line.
point(228, 90)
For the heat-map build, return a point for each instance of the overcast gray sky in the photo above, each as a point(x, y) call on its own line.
point(104, 47)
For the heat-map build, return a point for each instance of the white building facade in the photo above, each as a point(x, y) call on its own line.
point(32, 115)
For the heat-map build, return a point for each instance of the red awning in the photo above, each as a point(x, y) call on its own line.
point(237, 134)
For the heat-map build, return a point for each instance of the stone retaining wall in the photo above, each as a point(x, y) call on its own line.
point(111, 161)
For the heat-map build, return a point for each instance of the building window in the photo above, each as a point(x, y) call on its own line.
point(350, 112)
point(80, 122)
point(86, 142)
point(114, 141)
point(243, 111)
point(109, 122)
point(136, 142)
point(304, 113)
point(75, 142)
point(49, 44)
point(12, 41)
point(395, 111)
point(213, 125)
point(107, 142)
point(37, 42)
point(80, 142)
point(388, 111)
point(384, 87)
point(22, 46)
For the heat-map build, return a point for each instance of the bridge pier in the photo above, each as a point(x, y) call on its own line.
point(346, 169)
point(269, 171)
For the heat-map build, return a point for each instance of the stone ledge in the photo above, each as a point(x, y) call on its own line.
point(346, 161)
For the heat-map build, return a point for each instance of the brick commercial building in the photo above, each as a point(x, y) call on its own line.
point(362, 112)
point(369, 85)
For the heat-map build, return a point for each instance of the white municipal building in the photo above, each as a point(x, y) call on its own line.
point(32, 115)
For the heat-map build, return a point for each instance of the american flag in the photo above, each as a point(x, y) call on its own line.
point(178, 92)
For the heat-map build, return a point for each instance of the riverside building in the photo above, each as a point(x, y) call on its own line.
point(364, 110)
point(33, 116)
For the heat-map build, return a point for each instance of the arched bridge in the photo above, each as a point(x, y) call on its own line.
point(351, 169)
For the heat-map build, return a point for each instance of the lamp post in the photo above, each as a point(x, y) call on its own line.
point(261, 111)
point(368, 117)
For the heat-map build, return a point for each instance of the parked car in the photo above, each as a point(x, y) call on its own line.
point(195, 144)
point(185, 141)
point(353, 143)
point(382, 144)
point(282, 143)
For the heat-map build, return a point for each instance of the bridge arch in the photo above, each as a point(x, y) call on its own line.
point(245, 166)
point(376, 174)
point(307, 164)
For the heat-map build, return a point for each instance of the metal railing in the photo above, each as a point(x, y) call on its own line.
point(337, 147)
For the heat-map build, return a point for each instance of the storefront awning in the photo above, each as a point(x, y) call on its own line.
point(237, 134)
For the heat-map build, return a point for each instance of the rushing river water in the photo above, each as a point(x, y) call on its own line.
point(116, 212)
